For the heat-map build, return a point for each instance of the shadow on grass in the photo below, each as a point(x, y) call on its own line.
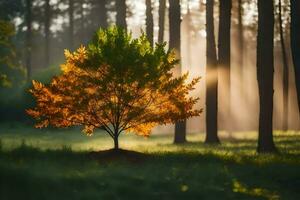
point(214, 173)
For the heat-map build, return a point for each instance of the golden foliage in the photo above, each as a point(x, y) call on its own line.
point(98, 93)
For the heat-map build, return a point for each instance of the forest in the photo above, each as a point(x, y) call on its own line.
point(149, 99)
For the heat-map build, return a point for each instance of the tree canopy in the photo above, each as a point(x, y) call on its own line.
point(116, 83)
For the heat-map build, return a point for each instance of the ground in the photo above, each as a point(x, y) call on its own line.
point(61, 164)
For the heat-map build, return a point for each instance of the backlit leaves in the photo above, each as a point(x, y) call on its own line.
point(117, 84)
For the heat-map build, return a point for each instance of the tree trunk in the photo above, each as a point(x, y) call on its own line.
point(28, 38)
point(285, 73)
point(295, 43)
point(116, 142)
point(162, 12)
point(47, 33)
point(211, 78)
point(224, 59)
point(265, 74)
point(174, 23)
point(102, 14)
point(121, 13)
point(240, 56)
point(71, 24)
point(149, 22)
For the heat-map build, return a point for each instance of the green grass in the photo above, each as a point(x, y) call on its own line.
point(52, 164)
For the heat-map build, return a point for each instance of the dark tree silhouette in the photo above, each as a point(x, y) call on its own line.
point(99, 14)
point(149, 21)
point(174, 43)
point(28, 20)
point(121, 13)
point(211, 78)
point(265, 74)
point(161, 23)
point(47, 32)
point(285, 71)
point(71, 23)
point(240, 40)
point(224, 56)
point(295, 43)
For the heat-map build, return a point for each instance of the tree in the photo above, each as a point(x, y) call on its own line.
point(121, 13)
point(99, 14)
point(47, 32)
point(11, 73)
point(285, 71)
point(265, 74)
point(295, 43)
point(71, 23)
point(224, 55)
point(161, 23)
point(117, 84)
point(174, 23)
point(28, 48)
point(240, 56)
point(211, 78)
point(149, 21)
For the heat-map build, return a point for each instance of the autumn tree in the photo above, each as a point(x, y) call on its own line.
point(117, 84)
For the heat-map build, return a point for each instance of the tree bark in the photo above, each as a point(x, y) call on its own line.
point(121, 13)
point(211, 78)
point(162, 12)
point(47, 32)
point(116, 142)
point(265, 75)
point(295, 43)
point(149, 22)
point(174, 43)
point(285, 73)
point(71, 24)
point(28, 37)
point(224, 58)
point(240, 56)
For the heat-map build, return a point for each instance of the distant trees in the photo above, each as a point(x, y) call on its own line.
point(121, 13)
point(47, 21)
point(295, 43)
point(224, 53)
point(132, 92)
point(285, 74)
point(149, 21)
point(265, 74)
point(71, 23)
point(174, 43)
point(28, 46)
point(161, 23)
point(211, 77)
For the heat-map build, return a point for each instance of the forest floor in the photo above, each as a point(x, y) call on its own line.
point(61, 164)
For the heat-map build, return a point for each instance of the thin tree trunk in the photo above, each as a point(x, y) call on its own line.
point(285, 73)
point(295, 43)
point(174, 23)
point(116, 142)
point(82, 21)
point(265, 74)
point(149, 22)
point(28, 38)
point(121, 13)
point(211, 78)
point(47, 33)
point(240, 56)
point(162, 12)
point(224, 58)
point(103, 14)
point(71, 24)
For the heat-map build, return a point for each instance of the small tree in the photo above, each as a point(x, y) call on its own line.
point(117, 84)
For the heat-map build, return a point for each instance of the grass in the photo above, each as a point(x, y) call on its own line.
point(52, 164)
